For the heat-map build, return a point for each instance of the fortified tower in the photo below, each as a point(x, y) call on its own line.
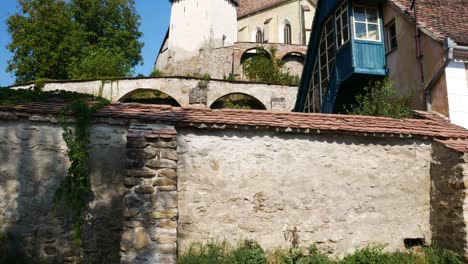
point(200, 24)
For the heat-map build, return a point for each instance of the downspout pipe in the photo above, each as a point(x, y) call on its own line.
point(449, 46)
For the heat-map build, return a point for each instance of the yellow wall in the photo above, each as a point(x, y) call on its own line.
point(404, 68)
point(291, 11)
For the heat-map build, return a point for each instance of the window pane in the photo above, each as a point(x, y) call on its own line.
point(361, 30)
point(345, 34)
point(331, 53)
point(329, 26)
point(330, 40)
point(323, 60)
point(322, 46)
point(359, 14)
point(372, 15)
point(344, 18)
point(339, 41)
point(373, 32)
point(393, 43)
point(324, 74)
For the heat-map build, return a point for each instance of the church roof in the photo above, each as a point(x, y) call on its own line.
point(247, 7)
point(442, 18)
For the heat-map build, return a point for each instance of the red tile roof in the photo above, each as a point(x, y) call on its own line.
point(247, 7)
point(284, 122)
point(457, 145)
point(444, 18)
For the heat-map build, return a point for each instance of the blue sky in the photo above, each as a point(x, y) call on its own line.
point(155, 15)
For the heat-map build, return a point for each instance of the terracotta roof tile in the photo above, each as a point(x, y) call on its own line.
point(444, 18)
point(247, 7)
point(457, 145)
point(430, 127)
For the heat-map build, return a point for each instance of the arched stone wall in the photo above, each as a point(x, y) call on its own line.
point(248, 95)
point(183, 90)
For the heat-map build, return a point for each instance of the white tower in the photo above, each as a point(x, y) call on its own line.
point(198, 24)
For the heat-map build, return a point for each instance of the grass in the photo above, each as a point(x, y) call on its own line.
point(250, 252)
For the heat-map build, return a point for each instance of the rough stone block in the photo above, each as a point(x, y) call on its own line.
point(168, 173)
point(144, 189)
point(169, 154)
point(164, 182)
point(163, 214)
point(143, 173)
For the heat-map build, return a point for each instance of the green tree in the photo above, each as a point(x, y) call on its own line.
point(38, 34)
point(79, 39)
point(108, 34)
point(380, 99)
point(266, 67)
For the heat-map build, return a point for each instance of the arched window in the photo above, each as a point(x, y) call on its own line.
point(259, 36)
point(287, 33)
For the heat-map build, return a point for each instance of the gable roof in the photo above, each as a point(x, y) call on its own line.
point(443, 18)
point(247, 7)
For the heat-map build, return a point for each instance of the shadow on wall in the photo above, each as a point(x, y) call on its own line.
point(33, 163)
point(447, 199)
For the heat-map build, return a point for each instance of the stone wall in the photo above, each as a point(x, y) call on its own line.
point(150, 233)
point(449, 204)
point(157, 188)
point(339, 192)
point(33, 161)
point(222, 62)
point(182, 90)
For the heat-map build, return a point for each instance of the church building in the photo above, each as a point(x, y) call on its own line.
point(216, 36)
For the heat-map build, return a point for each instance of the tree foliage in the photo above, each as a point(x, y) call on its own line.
point(266, 67)
point(78, 39)
point(380, 99)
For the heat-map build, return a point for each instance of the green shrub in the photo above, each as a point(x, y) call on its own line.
point(376, 254)
point(156, 73)
point(266, 67)
point(250, 252)
point(379, 99)
point(441, 256)
point(211, 253)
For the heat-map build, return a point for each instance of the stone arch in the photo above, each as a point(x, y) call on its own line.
point(250, 53)
point(168, 100)
point(294, 62)
point(242, 98)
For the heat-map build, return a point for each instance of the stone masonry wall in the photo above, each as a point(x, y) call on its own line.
point(339, 192)
point(33, 162)
point(449, 203)
point(156, 190)
point(150, 233)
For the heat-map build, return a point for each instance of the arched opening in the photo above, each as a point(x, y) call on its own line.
point(149, 96)
point(285, 32)
point(258, 35)
point(252, 53)
point(238, 101)
point(294, 63)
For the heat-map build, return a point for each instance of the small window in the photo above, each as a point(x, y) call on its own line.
point(391, 36)
point(366, 23)
point(287, 33)
point(342, 25)
point(259, 36)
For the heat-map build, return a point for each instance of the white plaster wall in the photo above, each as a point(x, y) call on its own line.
point(457, 91)
point(200, 23)
point(290, 11)
point(339, 192)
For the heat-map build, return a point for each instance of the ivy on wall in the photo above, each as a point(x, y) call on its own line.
point(75, 189)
